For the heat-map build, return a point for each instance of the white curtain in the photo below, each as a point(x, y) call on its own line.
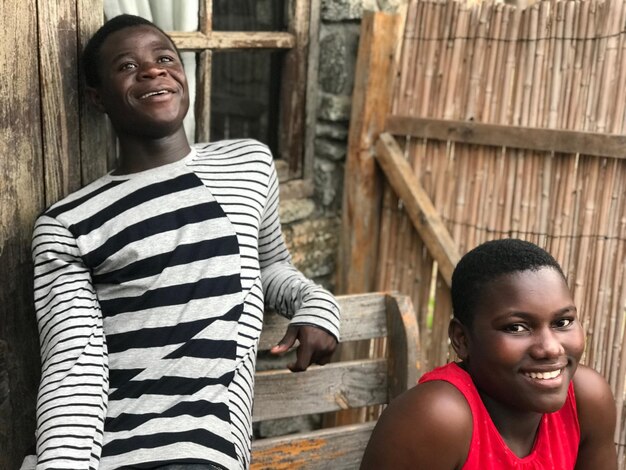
point(169, 15)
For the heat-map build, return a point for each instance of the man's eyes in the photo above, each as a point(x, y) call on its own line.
point(133, 65)
point(515, 328)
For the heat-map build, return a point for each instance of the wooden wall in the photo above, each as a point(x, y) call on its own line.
point(50, 144)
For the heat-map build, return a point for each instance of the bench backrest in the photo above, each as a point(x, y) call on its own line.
point(337, 386)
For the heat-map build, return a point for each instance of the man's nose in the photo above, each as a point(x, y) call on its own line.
point(149, 70)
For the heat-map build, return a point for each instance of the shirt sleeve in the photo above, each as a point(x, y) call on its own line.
point(285, 288)
point(72, 397)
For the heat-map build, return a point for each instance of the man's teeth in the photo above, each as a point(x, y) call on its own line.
point(152, 93)
point(544, 375)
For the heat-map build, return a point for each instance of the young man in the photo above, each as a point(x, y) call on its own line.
point(518, 399)
point(150, 283)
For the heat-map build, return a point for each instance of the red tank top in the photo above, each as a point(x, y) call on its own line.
point(556, 445)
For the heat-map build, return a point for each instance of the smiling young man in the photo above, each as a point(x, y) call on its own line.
point(150, 283)
point(518, 399)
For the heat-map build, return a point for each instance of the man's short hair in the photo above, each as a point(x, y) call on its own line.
point(91, 54)
point(487, 262)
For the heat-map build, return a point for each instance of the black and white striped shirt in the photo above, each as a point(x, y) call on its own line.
point(150, 290)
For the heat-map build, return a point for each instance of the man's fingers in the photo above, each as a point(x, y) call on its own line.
point(324, 359)
point(304, 355)
point(287, 342)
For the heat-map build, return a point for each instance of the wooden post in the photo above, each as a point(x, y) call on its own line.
point(362, 190)
point(21, 172)
point(97, 144)
point(59, 95)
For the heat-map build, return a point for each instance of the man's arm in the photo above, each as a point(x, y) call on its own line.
point(596, 416)
point(72, 398)
point(313, 311)
point(428, 427)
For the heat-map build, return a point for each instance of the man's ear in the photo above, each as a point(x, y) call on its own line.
point(458, 334)
point(96, 99)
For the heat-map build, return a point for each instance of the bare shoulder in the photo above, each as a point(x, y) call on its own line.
point(427, 427)
point(596, 417)
point(593, 395)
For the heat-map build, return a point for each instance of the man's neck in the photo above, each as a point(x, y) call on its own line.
point(141, 153)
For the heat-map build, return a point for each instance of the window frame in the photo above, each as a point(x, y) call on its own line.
point(296, 103)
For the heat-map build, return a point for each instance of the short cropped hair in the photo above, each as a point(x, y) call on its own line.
point(487, 262)
point(91, 54)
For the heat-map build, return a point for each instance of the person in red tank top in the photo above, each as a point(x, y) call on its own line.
point(517, 398)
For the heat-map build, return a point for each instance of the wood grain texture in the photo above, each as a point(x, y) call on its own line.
point(203, 96)
point(362, 317)
point(346, 385)
point(97, 143)
point(59, 97)
point(21, 193)
point(293, 88)
point(362, 188)
point(338, 448)
point(404, 367)
point(419, 207)
point(500, 135)
point(337, 386)
point(196, 40)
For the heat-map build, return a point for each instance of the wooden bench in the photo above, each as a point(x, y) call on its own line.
point(337, 386)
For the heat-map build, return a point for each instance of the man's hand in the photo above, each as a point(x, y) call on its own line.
point(316, 346)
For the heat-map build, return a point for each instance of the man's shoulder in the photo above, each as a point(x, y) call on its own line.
point(241, 150)
point(80, 196)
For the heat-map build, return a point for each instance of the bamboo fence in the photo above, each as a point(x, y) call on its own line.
point(555, 65)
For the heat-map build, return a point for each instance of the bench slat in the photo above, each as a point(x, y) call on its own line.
point(338, 448)
point(362, 317)
point(336, 386)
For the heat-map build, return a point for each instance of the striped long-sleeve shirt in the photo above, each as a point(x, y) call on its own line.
point(149, 291)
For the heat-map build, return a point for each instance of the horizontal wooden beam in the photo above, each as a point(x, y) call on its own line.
point(336, 386)
point(362, 317)
point(531, 138)
point(216, 40)
point(418, 205)
point(342, 445)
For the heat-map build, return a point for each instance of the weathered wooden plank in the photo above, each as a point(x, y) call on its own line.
point(197, 40)
point(362, 317)
point(338, 448)
point(97, 144)
point(312, 92)
point(337, 386)
point(203, 96)
point(21, 193)
point(59, 97)
point(551, 140)
point(403, 345)
point(418, 205)
point(362, 192)
point(293, 88)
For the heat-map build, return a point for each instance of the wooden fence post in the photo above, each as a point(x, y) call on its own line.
point(21, 172)
point(373, 88)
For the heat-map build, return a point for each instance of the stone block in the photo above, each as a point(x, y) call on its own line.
point(313, 245)
point(334, 107)
point(332, 130)
point(328, 179)
point(330, 149)
point(338, 51)
point(342, 10)
point(293, 210)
